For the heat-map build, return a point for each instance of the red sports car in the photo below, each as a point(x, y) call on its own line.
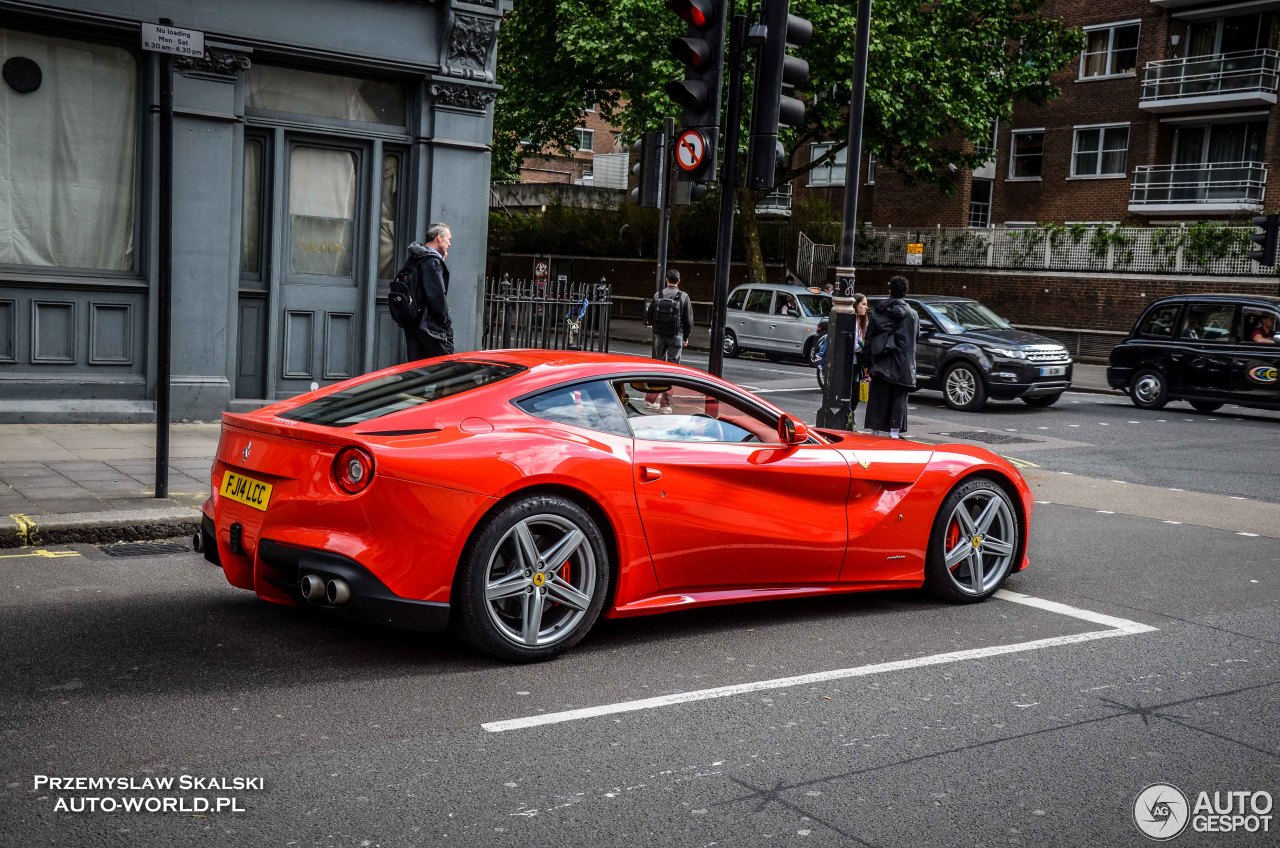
point(515, 496)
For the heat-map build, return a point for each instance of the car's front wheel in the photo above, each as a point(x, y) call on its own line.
point(1148, 389)
point(730, 344)
point(963, 389)
point(533, 581)
point(974, 542)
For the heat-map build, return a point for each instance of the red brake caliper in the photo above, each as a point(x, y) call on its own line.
point(953, 537)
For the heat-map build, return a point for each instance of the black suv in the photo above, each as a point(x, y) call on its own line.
point(1207, 349)
point(970, 354)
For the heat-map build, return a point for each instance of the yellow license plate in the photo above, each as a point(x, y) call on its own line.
point(246, 490)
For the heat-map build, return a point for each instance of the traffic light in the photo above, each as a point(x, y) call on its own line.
point(1265, 252)
point(701, 51)
point(771, 107)
point(649, 156)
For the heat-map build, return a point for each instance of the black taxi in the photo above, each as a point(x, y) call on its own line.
point(1207, 349)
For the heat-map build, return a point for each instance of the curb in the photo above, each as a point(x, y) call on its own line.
point(99, 527)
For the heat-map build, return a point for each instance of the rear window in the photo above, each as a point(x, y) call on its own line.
point(398, 392)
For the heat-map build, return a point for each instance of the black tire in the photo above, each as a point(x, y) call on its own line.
point(499, 559)
point(730, 344)
point(977, 569)
point(1041, 401)
point(963, 389)
point(1205, 405)
point(1148, 389)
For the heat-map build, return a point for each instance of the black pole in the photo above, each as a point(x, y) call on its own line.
point(728, 190)
point(164, 308)
point(835, 411)
point(664, 205)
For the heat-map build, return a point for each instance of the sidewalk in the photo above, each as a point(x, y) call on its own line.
point(95, 483)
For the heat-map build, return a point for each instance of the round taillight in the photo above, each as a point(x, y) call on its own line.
point(352, 470)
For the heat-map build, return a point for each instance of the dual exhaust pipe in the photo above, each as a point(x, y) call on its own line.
point(333, 592)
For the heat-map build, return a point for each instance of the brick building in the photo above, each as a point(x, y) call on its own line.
point(598, 147)
point(1166, 116)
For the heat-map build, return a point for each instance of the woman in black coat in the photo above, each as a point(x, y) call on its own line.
point(891, 353)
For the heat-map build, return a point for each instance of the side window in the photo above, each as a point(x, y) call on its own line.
point(672, 412)
point(1259, 326)
point(758, 300)
point(737, 299)
point(1159, 324)
point(593, 406)
point(1208, 322)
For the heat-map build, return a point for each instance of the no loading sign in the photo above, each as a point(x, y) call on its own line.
point(691, 150)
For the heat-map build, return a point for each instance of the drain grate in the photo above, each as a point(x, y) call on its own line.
point(989, 438)
point(130, 549)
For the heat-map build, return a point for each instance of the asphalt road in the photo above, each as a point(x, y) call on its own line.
point(1140, 648)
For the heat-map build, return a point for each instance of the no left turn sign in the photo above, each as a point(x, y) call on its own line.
point(691, 150)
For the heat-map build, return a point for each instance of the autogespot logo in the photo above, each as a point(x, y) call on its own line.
point(1160, 811)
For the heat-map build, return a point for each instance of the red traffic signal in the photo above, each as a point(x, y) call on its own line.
point(698, 13)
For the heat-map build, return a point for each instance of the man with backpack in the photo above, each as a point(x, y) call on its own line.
point(671, 317)
point(418, 296)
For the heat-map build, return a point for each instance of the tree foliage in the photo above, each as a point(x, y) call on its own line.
point(939, 75)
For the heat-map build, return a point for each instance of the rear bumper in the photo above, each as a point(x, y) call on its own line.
point(284, 566)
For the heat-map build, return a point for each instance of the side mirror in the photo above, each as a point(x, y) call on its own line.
point(792, 431)
point(928, 328)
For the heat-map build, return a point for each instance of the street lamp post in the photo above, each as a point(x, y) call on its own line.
point(835, 411)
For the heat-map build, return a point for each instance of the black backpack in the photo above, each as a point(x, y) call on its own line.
point(403, 294)
point(665, 316)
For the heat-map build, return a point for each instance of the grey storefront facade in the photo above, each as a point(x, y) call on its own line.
point(312, 142)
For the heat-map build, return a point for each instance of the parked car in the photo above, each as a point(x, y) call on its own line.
point(777, 320)
point(1206, 349)
point(516, 496)
point(971, 354)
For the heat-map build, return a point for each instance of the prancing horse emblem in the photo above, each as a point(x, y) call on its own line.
point(244, 454)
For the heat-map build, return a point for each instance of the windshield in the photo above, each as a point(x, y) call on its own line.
point(400, 391)
point(958, 316)
point(817, 305)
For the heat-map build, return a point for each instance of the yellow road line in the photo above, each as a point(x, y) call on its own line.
point(42, 553)
point(28, 533)
point(1021, 463)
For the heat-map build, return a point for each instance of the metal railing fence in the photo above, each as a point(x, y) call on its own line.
point(553, 315)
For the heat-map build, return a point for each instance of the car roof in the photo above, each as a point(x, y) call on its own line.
point(928, 298)
point(1220, 297)
point(783, 287)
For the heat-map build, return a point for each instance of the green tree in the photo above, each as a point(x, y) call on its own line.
point(939, 74)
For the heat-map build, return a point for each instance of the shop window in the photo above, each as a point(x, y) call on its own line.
point(322, 211)
point(324, 95)
point(389, 229)
point(1027, 156)
point(1100, 151)
point(251, 210)
point(68, 154)
point(1110, 50)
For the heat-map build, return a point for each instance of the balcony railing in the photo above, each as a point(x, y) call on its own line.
point(1212, 187)
point(1229, 79)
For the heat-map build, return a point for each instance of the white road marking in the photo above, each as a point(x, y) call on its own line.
point(1117, 627)
point(1242, 533)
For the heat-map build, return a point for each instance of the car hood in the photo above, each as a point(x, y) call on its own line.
point(1005, 338)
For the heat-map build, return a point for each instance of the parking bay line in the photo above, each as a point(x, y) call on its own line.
point(1116, 627)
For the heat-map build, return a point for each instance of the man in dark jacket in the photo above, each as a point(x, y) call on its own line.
point(891, 350)
point(670, 345)
point(434, 334)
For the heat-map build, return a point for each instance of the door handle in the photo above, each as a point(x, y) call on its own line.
point(648, 475)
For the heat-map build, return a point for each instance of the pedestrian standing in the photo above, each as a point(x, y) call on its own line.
point(671, 316)
point(891, 351)
point(858, 370)
point(433, 336)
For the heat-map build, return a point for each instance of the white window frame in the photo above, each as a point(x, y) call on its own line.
point(1111, 50)
point(587, 135)
point(833, 173)
point(1013, 154)
point(871, 169)
point(990, 204)
point(1101, 130)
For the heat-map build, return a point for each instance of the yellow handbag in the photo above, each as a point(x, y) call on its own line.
point(864, 390)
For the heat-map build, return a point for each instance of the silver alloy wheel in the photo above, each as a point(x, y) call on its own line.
point(961, 386)
point(1149, 388)
point(979, 542)
point(538, 580)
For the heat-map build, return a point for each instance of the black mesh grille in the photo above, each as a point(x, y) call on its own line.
point(988, 438)
point(130, 549)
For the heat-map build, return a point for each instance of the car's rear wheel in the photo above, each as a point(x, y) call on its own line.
point(1148, 389)
point(1205, 405)
point(1040, 401)
point(533, 581)
point(974, 541)
point(730, 344)
point(962, 388)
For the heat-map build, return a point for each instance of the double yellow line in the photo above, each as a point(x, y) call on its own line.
point(28, 535)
